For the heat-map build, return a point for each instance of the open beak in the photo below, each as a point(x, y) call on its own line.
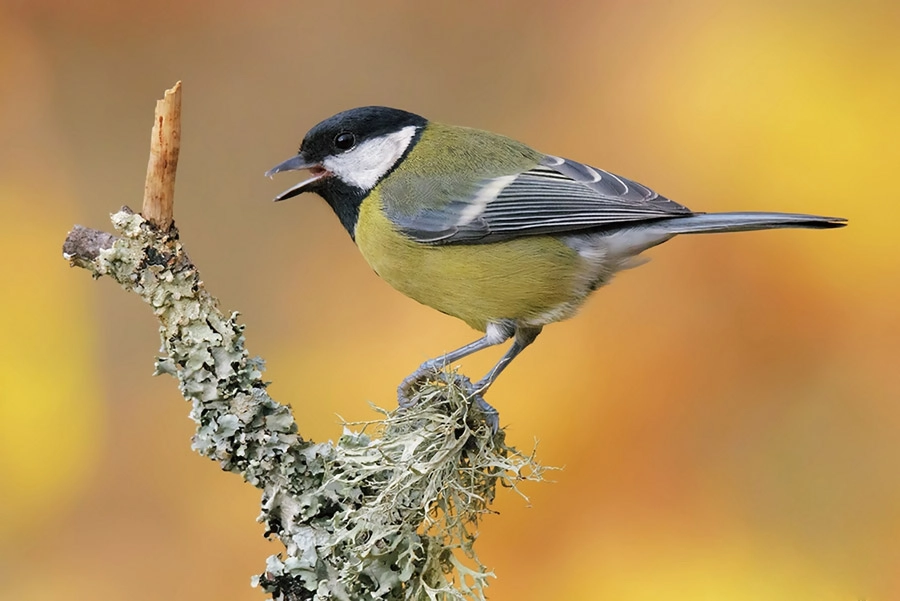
point(298, 163)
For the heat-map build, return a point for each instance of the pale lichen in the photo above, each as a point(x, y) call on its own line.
point(389, 512)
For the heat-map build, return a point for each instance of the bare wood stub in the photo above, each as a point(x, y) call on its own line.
point(165, 142)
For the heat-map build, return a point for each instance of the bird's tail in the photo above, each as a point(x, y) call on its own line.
point(704, 223)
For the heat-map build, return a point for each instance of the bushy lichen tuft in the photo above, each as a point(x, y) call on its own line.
point(396, 514)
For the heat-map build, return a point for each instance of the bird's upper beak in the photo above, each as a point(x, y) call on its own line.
point(296, 164)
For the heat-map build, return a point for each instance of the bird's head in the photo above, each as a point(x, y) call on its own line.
point(354, 149)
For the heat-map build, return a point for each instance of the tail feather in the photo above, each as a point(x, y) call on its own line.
point(703, 223)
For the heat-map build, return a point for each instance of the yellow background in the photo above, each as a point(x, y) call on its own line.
point(728, 416)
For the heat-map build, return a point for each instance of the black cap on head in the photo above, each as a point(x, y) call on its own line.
point(344, 130)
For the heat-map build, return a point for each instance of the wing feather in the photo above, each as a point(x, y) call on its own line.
point(558, 196)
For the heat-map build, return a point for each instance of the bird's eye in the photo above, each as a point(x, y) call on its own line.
point(344, 141)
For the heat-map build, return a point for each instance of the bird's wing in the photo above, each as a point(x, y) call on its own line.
point(557, 196)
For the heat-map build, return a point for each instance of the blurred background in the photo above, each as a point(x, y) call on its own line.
point(728, 415)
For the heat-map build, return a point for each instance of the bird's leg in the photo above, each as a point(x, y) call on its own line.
point(524, 337)
point(496, 334)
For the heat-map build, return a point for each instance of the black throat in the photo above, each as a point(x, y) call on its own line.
point(345, 200)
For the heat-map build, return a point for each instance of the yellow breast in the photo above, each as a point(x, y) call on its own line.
point(534, 279)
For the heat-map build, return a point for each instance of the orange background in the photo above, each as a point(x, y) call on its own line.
point(728, 416)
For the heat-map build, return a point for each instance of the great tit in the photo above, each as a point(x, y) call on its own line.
point(486, 229)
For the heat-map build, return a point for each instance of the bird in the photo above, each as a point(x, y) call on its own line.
point(486, 229)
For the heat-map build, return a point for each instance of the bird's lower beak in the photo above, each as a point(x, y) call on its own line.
point(298, 163)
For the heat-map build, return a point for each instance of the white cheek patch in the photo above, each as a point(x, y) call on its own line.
point(364, 165)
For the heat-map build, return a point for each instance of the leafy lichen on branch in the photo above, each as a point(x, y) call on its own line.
point(388, 512)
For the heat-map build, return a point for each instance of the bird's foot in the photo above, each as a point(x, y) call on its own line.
point(491, 415)
point(408, 391)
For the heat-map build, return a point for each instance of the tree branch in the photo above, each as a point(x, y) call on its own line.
point(389, 511)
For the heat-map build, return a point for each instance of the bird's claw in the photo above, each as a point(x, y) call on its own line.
point(491, 415)
point(407, 392)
